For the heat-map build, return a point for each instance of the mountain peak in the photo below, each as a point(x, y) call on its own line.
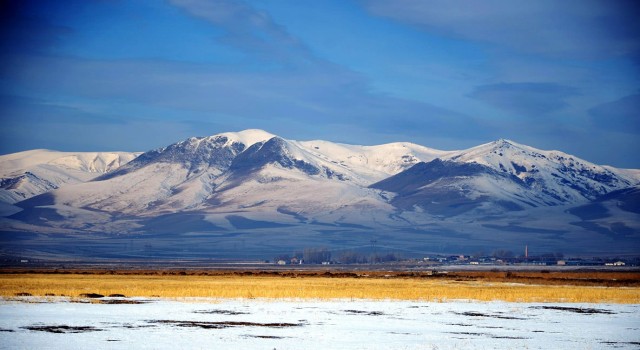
point(499, 148)
point(276, 150)
point(269, 189)
point(505, 143)
point(249, 136)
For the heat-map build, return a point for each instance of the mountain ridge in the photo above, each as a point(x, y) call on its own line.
point(28, 173)
point(255, 184)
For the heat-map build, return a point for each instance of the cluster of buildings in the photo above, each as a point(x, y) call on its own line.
point(547, 260)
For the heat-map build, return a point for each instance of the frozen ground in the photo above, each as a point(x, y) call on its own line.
point(33, 323)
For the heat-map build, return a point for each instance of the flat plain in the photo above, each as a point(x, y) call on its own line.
point(513, 286)
point(318, 309)
point(241, 323)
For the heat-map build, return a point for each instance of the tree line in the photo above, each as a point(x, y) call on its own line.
point(323, 255)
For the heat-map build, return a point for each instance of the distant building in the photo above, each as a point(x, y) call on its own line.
point(282, 262)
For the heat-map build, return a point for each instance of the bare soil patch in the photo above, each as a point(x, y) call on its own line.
point(220, 312)
point(479, 314)
point(63, 329)
point(224, 324)
point(578, 310)
point(368, 313)
point(91, 295)
point(123, 301)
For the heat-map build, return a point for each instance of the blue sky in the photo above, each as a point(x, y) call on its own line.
point(85, 75)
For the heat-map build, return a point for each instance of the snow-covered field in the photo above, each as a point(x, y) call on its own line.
point(35, 323)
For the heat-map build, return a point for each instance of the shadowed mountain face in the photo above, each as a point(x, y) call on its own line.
point(273, 151)
point(613, 215)
point(253, 194)
point(425, 174)
point(446, 188)
point(551, 177)
point(626, 200)
point(194, 154)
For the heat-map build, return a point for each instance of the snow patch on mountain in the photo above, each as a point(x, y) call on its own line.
point(560, 177)
point(136, 193)
point(307, 193)
point(26, 174)
point(248, 137)
point(371, 163)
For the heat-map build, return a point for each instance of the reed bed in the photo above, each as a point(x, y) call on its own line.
point(229, 286)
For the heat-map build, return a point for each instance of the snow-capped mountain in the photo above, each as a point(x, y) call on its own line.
point(320, 193)
point(560, 176)
point(26, 174)
point(372, 163)
point(242, 169)
point(502, 176)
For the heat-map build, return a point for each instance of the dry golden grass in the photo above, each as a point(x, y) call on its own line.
point(229, 286)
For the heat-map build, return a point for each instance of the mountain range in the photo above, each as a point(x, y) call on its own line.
point(252, 194)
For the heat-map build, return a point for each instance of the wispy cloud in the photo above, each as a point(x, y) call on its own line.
point(210, 93)
point(570, 29)
point(248, 29)
point(453, 74)
point(29, 123)
point(280, 83)
point(526, 99)
point(622, 115)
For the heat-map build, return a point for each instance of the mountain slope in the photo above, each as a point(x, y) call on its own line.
point(201, 173)
point(450, 188)
point(177, 177)
point(560, 177)
point(26, 174)
point(372, 163)
point(268, 193)
point(501, 176)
